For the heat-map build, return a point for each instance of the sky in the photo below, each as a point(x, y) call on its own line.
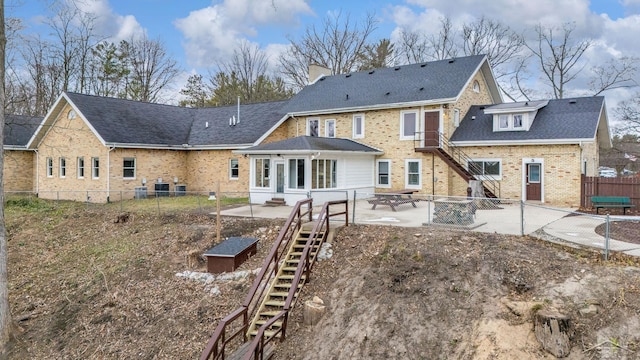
point(200, 34)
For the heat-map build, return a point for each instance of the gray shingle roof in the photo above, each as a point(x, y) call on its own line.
point(311, 144)
point(562, 119)
point(122, 121)
point(19, 129)
point(434, 80)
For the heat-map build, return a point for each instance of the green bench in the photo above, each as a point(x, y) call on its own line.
point(623, 202)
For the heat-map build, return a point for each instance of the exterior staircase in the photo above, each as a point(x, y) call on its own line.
point(249, 331)
point(455, 158)
point(274, 301)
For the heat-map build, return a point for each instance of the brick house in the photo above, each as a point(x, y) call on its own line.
point(93, 148)
point(419, 126)
point(19, 161)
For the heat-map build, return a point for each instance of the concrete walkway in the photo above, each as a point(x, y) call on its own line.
point(504, 219)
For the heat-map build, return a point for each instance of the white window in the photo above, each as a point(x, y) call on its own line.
point(330, 128)
point(233, 169)
point(503, 121)
point(129, 168)
point(49, 167)
point(262, 170)
point(296, 173)
point(323, 174)
point(476, 86)
point(456, 117)
point(63, 167)
point(358, 126)
point(413, 171)
point(95, 167)
point(80, 167)
point(383, 173)
point(408, 125)
point(313, 127)
point(510, 122)
point(486, 168)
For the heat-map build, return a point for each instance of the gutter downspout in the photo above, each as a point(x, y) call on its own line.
point(37, 172)
point(109, 172)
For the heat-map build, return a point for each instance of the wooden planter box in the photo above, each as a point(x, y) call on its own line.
point(230, 254)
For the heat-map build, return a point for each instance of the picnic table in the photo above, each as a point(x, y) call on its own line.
point(393, 198)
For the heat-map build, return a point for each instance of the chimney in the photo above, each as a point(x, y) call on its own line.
point(317, 71)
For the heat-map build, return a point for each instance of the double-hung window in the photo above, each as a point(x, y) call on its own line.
point(323, 174)
point(49, 167)
point(358, 126)
point(413, 171)
point(383, 173)
point(296, 174)
point(63, 167)
point(80, 167)
point(485, 168)
point(313, 127)
point(408, 125)
point(233, 169)
point(129, 168)
point(330, 128)
point(95, 168)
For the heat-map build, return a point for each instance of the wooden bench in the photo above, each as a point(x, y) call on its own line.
point(393, 199)
point(611, 202)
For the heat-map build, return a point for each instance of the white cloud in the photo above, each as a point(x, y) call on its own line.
point(212, 33)
point(114, 26)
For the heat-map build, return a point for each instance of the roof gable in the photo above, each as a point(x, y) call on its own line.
point(311, 144)
point(436, 81)
point(18, 130)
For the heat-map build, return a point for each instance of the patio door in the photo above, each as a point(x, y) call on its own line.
point(279, 177)
point(432, 129)
point(534, 181)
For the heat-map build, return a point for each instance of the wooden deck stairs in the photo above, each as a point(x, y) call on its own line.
point(274, 302)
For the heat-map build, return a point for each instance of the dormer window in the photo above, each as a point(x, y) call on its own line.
point(510, 122)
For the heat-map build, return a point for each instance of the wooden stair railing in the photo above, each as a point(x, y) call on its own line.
point(229, 329)
point(455, 158)
point(217, 346)
point(319, 233)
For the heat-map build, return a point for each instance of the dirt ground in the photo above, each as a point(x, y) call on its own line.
point(83, 286)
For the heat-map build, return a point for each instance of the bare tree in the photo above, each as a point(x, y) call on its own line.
point(443, 45)
point(412, 47)
point(559, 57)
point(45, 73)
point(248, 64)
point(616, 73)
point(503, 47)
point(628, 112)
point(5, 313)
point(151, 69)
point(337, 46)
point(377, 55)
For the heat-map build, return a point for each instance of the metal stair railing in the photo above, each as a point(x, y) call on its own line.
point(490, 183)
point(223, 335)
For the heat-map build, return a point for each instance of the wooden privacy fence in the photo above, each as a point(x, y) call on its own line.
point(602, 186)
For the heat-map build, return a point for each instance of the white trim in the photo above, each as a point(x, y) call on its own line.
point(377, 173)
point(308, 130)
point(49, 164)
point(78, 167)
point(525, 162)
point(417, 124)
point(355, 135)
point(522, 142)
point(406, 174)
point(135, 165)
point(62, 169)
point(482, 177)
point(327, 127)
point(93, 159)
point(231, 177)
point(313, 113)
point(456, 117)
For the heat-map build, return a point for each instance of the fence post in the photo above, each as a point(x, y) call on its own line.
point(199, 205)
point(606, 238)
point(353, 212)
point(521, 217)
point(121, 202)
point(429, 199)
point(158, 202)
point(250, 206)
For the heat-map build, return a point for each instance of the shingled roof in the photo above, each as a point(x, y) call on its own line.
point(122, 122)
point(18, 129)
point(436, 81)
point(561, 120)
point(311, 144)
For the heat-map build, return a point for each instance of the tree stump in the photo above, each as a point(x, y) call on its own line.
point(313, 311)
point(554, 331)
